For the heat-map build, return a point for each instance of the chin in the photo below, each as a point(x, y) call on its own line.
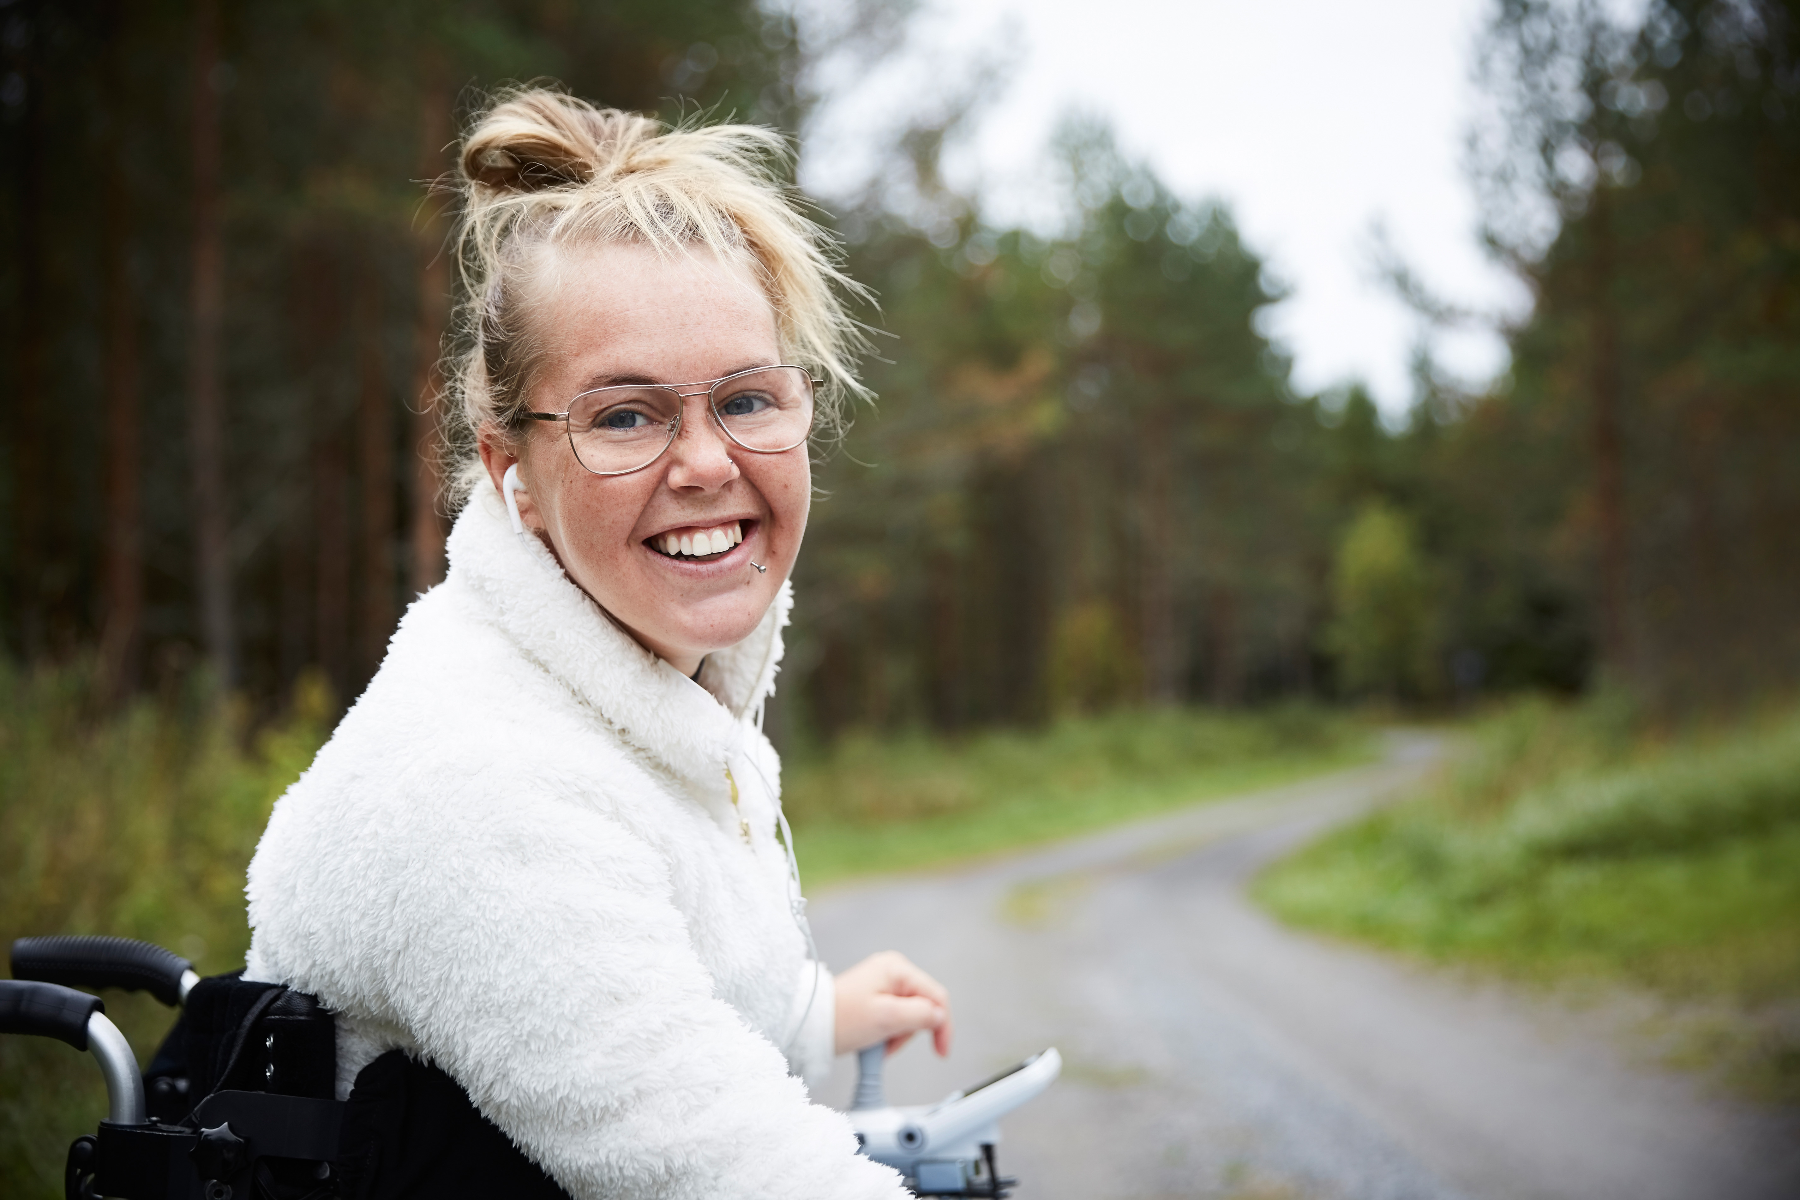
point(707, 626)
point(723, 633)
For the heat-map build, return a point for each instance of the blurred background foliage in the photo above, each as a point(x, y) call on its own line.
point(225, 297)
point(1087, 479)
point(1084, 441)
point(1087, 499)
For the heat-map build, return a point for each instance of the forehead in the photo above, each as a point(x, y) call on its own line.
point(624, 311)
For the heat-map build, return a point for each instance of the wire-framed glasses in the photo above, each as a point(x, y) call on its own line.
point(625, 427)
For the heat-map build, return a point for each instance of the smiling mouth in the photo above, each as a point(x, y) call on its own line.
point(698, 543)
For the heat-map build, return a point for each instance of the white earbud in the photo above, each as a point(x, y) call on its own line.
point(509, 483)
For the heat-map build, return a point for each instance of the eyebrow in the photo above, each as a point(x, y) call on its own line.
point(630, 379)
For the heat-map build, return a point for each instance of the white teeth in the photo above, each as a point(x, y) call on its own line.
point(704, 543)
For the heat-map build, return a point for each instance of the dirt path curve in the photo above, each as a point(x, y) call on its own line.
point(1212, 1052)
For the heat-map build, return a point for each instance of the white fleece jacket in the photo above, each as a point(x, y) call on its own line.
point(519, 857)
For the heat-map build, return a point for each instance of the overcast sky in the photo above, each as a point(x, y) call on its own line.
point(1313, 119)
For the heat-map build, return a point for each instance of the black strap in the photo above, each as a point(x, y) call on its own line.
point(241, 1035)
point(253, 1036)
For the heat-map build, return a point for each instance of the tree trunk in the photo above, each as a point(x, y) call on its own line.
point(30, 478)
point(375, 442)
point(947, 684)
point(1156, 559)
point(331, 570)
point(123, 570)
point(428, 333)
point(321, 346)
point(294, 606)
point(1608, 454)
point(206, 417)
point(1227, 682)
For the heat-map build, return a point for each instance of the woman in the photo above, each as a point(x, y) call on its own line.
point(544, 851)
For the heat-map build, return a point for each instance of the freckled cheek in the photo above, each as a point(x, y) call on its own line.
point(597, 524)
point(602, 549)
point(788, 492)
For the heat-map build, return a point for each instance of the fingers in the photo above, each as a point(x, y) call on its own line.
point(903, 1016)
point(905, 979)
point(941, 1036)
point(886, 998)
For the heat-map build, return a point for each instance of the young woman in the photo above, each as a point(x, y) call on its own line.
point(544, 853)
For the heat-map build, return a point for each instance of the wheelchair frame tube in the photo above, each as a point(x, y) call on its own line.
point(124, 1086)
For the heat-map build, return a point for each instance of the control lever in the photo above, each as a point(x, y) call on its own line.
point(947, 1148)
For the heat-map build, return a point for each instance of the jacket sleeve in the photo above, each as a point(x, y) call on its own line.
point(539, 960)
point(814, 1022)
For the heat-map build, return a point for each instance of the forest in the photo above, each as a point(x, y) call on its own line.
point(1086, 479)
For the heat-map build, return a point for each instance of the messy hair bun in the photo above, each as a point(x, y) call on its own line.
point(539, 168)
point(542, 139)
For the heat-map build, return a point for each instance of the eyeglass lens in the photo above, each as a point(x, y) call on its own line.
point(614, 430)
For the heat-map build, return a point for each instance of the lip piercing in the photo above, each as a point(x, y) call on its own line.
point(761, 570)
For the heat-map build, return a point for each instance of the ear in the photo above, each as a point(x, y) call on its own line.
point(503, 469)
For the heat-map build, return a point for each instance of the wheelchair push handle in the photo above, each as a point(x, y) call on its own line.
point(103, 962)
point(49, 1010)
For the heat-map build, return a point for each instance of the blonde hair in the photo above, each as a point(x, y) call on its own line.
point(540, 168)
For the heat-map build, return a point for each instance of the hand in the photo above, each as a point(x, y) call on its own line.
point(885, 997)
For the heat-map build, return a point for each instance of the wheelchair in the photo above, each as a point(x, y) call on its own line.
point(240, 1100)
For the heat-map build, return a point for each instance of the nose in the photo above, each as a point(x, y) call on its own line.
point(700, 458)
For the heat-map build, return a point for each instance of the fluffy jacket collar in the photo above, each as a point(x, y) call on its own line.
point(688, 728)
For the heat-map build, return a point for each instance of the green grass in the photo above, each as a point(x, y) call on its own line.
point(1569, 848)
point(872, 806)
point(138, 823)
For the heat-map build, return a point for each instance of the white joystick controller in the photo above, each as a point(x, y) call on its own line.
point(944, 1149)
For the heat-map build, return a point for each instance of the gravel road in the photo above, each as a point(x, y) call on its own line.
point(1211, 1052)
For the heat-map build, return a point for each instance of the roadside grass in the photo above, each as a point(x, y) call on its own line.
point(870, 806)
point(138, 823)
point(1569, 847)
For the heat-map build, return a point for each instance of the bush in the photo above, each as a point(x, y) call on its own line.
point(1382, 634)
point(138, 823)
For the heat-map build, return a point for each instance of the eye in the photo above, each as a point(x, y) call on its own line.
point(744, 404)
point(621, 418)
point(618, 419)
